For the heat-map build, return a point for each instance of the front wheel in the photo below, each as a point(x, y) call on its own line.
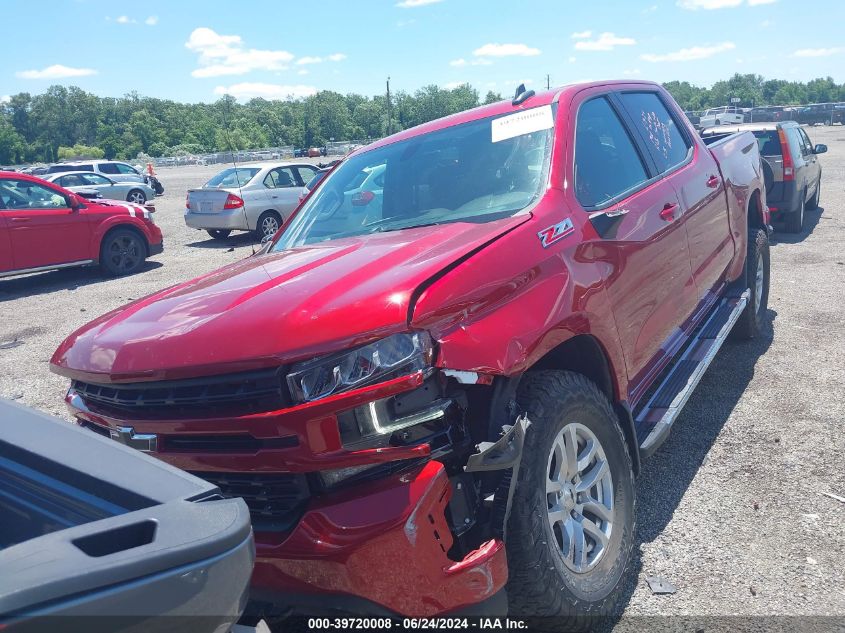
point(571, 527)
point(122, 252)
point(814, 201)
point(750, 322)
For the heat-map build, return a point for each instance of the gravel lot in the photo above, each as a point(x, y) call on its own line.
point(731, 509)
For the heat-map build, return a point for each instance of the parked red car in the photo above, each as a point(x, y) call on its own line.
point(444, 393)
point(43, 227)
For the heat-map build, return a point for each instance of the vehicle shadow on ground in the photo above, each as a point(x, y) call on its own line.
point(667, 474)
point(811, 219)
point(238, 240)
point(57, 280)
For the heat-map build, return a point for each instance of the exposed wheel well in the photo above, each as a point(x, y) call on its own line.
point(127, 227)
point(583, 355)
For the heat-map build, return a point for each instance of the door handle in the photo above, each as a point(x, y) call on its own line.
point(668, 212)
point(713, 182)
point(19, 220)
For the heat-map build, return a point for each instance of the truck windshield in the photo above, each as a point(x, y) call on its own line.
point(474, 172)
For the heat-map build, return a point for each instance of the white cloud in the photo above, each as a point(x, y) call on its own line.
point(817, 52)
point(247, 90)
point(226, 55)
point(410, 4)
point(581, 35)
point(481, 61)
point(57, 71)
point(124, 19)
point(690, 54)
point(506, 50)
point(151, 21)
point(604, 42)
point(309, 60)
point(5, 99)
point(336, 57)
point(754, 3)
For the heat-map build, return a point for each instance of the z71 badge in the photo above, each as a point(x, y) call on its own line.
point(557, 232)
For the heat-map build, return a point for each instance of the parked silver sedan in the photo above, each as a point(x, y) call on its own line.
point(255, 197)
point(137, 192)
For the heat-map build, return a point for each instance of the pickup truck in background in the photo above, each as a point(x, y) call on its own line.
point(440, 404)
point(95, 536)
point(721, 116)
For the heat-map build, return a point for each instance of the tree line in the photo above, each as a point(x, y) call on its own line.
point(64, 122)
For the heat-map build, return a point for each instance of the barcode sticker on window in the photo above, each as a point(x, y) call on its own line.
point(524, 122)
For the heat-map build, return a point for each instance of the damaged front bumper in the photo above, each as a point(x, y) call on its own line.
point(385, 545)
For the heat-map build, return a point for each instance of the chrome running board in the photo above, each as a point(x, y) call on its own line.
point(658, 415)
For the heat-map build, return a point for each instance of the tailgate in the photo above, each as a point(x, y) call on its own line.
point(207, 200)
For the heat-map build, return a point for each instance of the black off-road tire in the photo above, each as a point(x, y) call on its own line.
point(219, 234)
point(813, 204)
point(795, 220)
point(540, 584)
point(750, 321)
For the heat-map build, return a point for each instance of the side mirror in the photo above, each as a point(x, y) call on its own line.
point(820, 149)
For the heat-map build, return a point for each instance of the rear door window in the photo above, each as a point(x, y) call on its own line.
point(607, 162)
point(280, 178)
point(666, 143)
point(305, 174)
point(108, 168)
point(123, 168)
point(768, 142)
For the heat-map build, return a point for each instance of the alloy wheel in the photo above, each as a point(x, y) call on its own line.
point(137, 197)
point(579, 492)
point(269, 226)
point(125, 252)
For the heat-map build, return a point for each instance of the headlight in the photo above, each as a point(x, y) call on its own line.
point(388, 358)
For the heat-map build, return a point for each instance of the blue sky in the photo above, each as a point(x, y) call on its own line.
point(195, 51)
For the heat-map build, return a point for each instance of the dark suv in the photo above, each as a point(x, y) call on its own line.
point(792, 171)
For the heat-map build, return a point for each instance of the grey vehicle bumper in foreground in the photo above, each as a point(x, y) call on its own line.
point(96, 533)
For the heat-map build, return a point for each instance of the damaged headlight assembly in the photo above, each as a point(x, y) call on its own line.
point(381, 360)
point(404, 419)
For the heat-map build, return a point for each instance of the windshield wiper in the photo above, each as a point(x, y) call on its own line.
point(384, 228)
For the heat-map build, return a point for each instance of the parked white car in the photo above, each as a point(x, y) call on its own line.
point(255, 197)
point(137, 192)
point(725, 115)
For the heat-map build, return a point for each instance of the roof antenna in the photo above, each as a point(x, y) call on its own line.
point(521, 95)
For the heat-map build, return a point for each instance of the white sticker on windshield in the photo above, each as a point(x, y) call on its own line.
point(524, 122)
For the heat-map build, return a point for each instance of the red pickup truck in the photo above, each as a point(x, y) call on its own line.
point(435, 398)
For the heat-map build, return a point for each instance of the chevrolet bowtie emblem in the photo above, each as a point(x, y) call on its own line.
point(144, 442)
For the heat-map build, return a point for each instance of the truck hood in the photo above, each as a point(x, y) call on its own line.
point(272, 309)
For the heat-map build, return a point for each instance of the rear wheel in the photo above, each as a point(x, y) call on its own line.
point(136, 196)
point(795, 220)
point(814, 201)
point(750, 322)
point(219, 234)
point(268, 224)
point(122, 252)
point(571, 527)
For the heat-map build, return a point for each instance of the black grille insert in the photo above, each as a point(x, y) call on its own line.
point(242, 393)
point(276, 501)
